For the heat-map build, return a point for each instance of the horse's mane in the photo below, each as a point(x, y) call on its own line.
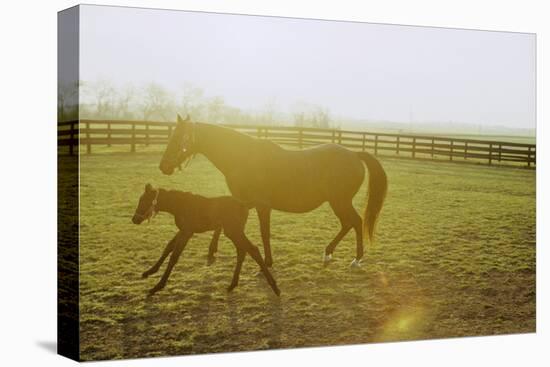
point(225, 132)
point(238, 139)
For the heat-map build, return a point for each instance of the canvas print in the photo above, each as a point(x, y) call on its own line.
point(237, 183)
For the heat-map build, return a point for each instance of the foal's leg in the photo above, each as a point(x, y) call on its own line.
point(240, 240)
point(264, 215)
point(169, 247)
point(241, 253)
point(181, 242)
point(213, 248)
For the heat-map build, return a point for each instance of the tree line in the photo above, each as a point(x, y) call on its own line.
point(102, 100)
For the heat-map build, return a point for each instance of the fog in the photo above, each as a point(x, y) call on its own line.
point(357, 70)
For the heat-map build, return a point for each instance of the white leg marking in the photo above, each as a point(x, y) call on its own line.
point(356, 263)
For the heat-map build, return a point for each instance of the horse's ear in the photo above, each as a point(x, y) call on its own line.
point(188, 118)
point(148, 187)
point(179, 118)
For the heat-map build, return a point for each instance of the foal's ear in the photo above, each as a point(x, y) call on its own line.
point(148, 187)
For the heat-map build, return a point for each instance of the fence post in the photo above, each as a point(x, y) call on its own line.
point(433, 146)
point(340, 137)
point(109, 134)
point(363, 142)
point(133, 144)
point(414, 148)
point(300, 131)
point(147, 135)
point(332, 140)
point(71, 137)
point(465, 150)
point(452, 149)
point(529, 157)
point(499, 152)
point(88, 143)
point(397, 147)
point(490, 153)
point(376, 145)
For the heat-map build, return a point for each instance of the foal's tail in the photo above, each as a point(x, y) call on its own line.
point(378, 186)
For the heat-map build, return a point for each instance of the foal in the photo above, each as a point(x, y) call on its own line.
point(197, 214)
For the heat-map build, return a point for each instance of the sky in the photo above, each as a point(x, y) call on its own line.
point(356, 70)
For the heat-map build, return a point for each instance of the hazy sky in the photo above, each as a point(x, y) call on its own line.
point(357, 70)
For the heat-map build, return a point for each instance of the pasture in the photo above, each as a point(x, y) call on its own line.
point(455, 256)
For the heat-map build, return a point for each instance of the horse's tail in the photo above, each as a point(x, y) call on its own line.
point(378, 186)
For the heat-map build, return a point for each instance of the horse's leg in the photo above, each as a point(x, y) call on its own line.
point(241, 253)
point(240, 240)
point(264, 215)
point(179, 245)
point(213, 248)
point(169, 247)
point(357, 225)
point(343, 212)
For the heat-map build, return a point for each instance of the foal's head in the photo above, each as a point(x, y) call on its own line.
point(180, 146)
point(147, 205)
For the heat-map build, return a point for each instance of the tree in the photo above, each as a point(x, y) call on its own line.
point(67, 101)
point(215, 109)
point(311, 115)
point(124, 102)
point(103, 95)
point(156, 102)
point(192, 101)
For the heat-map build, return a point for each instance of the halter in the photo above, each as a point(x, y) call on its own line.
point(152, 211)
point(184, 150)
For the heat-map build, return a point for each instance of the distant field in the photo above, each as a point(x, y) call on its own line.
point(506, 138)
point(511, 137)
point(455, 256)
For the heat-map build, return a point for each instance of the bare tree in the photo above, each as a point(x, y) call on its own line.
point(215, 109)
point(125, 98)
point(192, 101)
point(311, 115)
point(269, 112)
point(156, 102)
point(103, 94)
point(67, 101)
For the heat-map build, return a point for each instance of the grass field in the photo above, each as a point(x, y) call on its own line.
point(455, 256)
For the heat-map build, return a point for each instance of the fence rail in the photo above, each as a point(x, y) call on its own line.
point(88, 133)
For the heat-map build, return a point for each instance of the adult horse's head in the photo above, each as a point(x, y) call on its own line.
point(180, 146)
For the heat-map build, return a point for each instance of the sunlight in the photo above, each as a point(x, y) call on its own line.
point(405, 323)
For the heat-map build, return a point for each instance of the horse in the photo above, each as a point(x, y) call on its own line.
point(197, 214)
point(269, 177)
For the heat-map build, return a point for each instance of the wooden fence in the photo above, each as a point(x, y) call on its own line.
point(145, 133)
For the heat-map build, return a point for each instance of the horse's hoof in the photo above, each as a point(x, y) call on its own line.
point(356, 263)
point(277, 292)
point(327, 259)
point(230, 288)
point(210, 260)
point(145, 275)
point(155, 289)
